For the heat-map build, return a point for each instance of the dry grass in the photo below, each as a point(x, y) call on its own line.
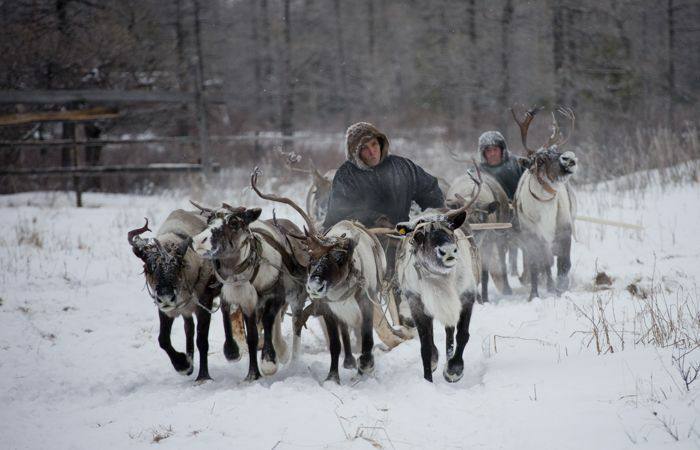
point(659, 317)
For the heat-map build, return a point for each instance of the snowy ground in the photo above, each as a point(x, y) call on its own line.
point(80, 365)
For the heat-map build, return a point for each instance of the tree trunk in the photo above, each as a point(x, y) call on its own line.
point(287, 107)
point(344, 104)
point(558, 51)
point(504, 93)
point(671, 75)
point(475, 105)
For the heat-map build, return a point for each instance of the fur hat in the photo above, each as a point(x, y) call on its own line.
point(492, 138)
point(357, 135)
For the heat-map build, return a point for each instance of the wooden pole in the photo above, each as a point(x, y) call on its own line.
point(79, 130)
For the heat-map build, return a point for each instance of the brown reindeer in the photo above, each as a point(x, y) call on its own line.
point(345, 268)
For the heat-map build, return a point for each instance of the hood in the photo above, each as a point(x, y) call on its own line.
point(356, 136)
point(490, 138)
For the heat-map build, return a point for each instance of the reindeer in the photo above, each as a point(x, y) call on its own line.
point(491, 206)
point(181, 284)
point(319, 193)
point(438, 270)
point(545, 205)
point(253, 262)
point(344, 271)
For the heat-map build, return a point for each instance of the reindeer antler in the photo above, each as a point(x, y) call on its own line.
point(133, 233)
point(525, 124)
point(478, 181)
point(274, 198)
point(569, 114)
point(202, 209)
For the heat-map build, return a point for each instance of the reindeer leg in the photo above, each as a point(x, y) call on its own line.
point(484, 285)
point(547, 270)
point(203, 321)
point(297, 307)
point(251, 327)
point(333, 344)
point(189, 337)
point(179, 360)
point(449, 341)
point(454, 369)
point(423, 323)
point(513, 259)
point(366, 363)
point(268, 359)
point(434, 354)
point(231, 351)
point(501, 249)
point(533, 269)
point(349, 360)
point(564, 261)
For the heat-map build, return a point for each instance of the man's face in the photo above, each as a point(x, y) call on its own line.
point(371, 152)
point(493, 155)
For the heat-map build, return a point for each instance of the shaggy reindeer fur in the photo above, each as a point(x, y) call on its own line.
point(436, 272)
point(547, 225)
point(182, 284)
point(235, 238)
point(491, 206)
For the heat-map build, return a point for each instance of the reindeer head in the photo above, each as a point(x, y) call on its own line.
point(549, 162)
point(227, 231)
point(164, 265)
point(433, 239)
point(328, 259)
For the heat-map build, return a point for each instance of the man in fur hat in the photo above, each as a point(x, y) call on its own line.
point(377, 188)
point(496, 160)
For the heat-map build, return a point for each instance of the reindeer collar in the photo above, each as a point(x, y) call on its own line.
point(247, 270)
point(545, 185)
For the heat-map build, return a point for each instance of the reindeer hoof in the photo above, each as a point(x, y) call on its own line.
point(268, 367)
point(349, 362)
point(453, 371)
point(334, 377)
point(366, 365)
point(231, 351)
point(201, 379)
point(183, 364)
point(562, 284)
point(252, 376)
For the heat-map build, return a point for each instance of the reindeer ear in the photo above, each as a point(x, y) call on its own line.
point(455, 221)
point(492, 207)
point(403, 228)
point(251, 215)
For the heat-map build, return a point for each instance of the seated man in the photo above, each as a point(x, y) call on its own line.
point(376, 188)
point(496, 160)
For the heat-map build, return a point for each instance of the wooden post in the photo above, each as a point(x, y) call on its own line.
point(78, 130)
point(201, 109)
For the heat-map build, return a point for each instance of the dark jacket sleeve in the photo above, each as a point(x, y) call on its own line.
point(346, 201)
point(428, 193)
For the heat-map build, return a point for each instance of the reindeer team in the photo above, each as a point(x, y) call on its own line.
point(371, 262)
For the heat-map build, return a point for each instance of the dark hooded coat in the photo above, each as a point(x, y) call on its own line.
point(509, 171)
point(367, 193)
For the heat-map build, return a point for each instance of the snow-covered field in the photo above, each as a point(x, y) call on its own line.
point(80, 365)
